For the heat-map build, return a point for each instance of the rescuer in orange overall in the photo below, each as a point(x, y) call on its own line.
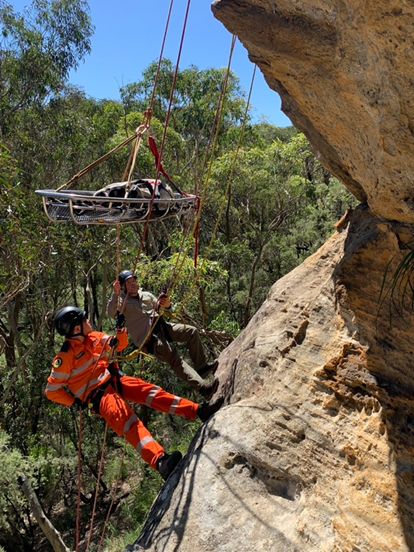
point(83, 375)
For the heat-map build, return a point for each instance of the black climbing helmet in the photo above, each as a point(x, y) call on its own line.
point(67, 318)
point(125, 275)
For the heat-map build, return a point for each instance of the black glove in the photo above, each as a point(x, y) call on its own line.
point(113, 342)
point(120, 320)
point(79, 405)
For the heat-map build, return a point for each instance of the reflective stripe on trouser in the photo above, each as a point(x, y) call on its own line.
point(123, 420)
point(142, 392)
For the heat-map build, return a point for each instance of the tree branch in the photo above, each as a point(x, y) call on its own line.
point(52, 535)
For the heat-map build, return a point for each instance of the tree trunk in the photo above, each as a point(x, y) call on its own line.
point(50, 532)
point(251, 286)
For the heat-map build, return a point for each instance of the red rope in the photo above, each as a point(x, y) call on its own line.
point(164, 134)
point(196, 232)
point(79, 483)
point(98, 479)
point(167, 23)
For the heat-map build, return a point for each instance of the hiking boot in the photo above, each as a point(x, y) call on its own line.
point(206, 410)
point(167, 462)
point(207, 390)
point(209, 368)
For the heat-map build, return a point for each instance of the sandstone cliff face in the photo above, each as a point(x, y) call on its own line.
point(344, 71)
point(314, 451)
point(314, 448)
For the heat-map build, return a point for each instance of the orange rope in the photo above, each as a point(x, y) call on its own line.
point(164, 133)
point(113, 498)
point(98, 479)
point(187, 297)
point(217, 120)
point(79, 483)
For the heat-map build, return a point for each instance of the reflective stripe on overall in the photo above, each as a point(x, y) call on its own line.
point(123, 420)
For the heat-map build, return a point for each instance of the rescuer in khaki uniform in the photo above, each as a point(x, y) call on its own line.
point(155, 336)
point(82, 375)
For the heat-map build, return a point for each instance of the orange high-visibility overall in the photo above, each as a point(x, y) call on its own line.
point(80, 369)
point(123, 420)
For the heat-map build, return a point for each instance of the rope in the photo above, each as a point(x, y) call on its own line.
point(130, 165)
point(199, 272)
point(173, 281)
point(131, 162)
point(113, 497)
point(214, 132)
point(132, 158)
point(98, 479)
point(167, 24)
point(79, 483)
point(84, 171)
point(164, 133)
point(131, 356)
point(79, 446)
point(217, 119)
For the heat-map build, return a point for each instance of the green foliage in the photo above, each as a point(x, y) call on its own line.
point(398, 286)
point(263, 212)
point(39, 48)
point(13, 464)
point(192, 113)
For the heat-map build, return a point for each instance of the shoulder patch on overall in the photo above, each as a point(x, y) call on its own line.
point(57, 362)
point(65, 347)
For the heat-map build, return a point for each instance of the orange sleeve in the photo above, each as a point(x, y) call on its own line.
point(56, 382)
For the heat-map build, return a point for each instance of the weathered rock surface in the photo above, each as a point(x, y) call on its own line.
point(344, 70)
point(314, 451)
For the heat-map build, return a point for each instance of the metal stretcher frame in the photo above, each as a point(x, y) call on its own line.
point(83, 207)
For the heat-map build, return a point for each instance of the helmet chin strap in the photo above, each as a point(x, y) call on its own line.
point(79, 333)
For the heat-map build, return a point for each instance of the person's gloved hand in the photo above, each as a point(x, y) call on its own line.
point(79, 405)
point(113, 343)
point(164, 301)
point(120, 320)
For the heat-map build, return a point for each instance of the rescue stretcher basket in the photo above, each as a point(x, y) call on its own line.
point(85, 207)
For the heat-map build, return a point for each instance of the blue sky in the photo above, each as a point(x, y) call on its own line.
point(128, 37)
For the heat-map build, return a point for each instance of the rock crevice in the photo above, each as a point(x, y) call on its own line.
point(314, 448)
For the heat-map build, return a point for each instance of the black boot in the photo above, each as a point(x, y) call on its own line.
point(206, 410)
point(167, 462)
point(207, 390)
point(209, 368)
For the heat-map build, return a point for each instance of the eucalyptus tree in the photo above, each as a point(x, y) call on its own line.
point(38, 48)
point(195, 106)
point(274, 201)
